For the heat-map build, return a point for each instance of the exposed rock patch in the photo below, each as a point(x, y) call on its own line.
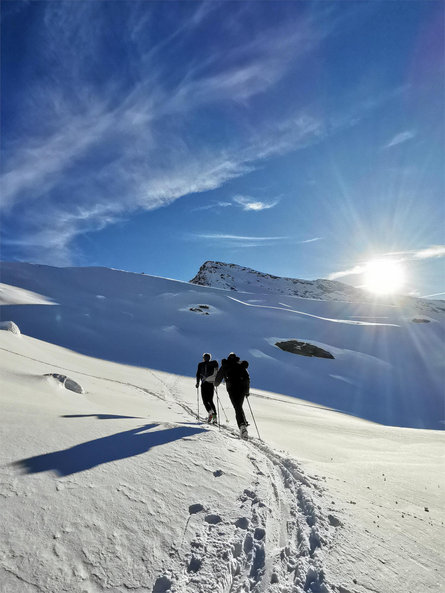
point(66, 382)
point(200, 309)
point(420, 320)
point(303, 348)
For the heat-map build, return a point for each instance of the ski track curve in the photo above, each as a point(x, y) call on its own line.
point(278, 543)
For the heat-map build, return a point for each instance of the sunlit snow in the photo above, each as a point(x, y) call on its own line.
point(122, 487)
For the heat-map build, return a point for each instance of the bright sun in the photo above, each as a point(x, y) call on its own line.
point(383, 276)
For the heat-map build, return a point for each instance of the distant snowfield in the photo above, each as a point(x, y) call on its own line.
point(121, 487)
point(393, 367)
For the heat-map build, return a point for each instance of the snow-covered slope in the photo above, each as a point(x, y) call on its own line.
point(386, 367)
point(241, 279)
point(122, 488)
point(110, 482)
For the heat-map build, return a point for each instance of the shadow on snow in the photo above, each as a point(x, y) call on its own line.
point(99, 416)
point(99, 451)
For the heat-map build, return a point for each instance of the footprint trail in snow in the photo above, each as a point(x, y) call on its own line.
point(273, 539)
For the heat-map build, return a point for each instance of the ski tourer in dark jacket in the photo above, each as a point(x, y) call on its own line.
point(206, 374)
point(235, 374)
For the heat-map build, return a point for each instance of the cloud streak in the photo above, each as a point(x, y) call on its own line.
point(125, 134)
point(310, 240)
point(400, 138)
point(249, 204)
point(430, 252)
point(36, 168)
point(435, 251)
point(224, 237)
point(100, 147)
point(429, 296)
point(359, 269)
point(213, 206)
point(245, 241)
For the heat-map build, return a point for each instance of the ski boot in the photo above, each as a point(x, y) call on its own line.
point(243, 432)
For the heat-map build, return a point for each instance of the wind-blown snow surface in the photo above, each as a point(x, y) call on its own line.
point(121, 487)
point(387, 368)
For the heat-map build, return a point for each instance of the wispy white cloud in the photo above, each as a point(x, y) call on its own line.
point(436, 294)
point(213, 206)
point(237, 84)
point(359, 269)
point(52, 242)
point(35, 169)
point(244, 241)
point(224, 237)
point(133, 139)
point(430, 252)
point(434, 251)
point(134, 176)
point(401, 138)
point(313, 240)
point(426, 253)
point(250, 204)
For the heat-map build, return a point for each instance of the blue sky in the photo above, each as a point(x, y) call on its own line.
point(297, 138)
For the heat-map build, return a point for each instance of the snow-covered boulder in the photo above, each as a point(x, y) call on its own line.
point(10, 326)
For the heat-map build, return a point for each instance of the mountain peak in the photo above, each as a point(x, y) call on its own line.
point(242, 279)
point(238, 278)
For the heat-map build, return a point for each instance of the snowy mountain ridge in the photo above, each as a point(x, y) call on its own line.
point(241, 279)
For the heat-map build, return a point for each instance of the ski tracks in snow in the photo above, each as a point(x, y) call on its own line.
point(276, 544)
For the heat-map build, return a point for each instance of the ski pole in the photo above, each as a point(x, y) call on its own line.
point(197, 399)
point(250, 407)
point(220, 404)
point(217, 405)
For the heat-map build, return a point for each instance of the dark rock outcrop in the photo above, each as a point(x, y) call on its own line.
point(303, 348)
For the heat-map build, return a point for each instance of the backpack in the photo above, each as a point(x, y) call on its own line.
point(208, 370)
point(236, 372)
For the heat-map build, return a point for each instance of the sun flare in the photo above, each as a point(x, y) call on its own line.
point(384, 277)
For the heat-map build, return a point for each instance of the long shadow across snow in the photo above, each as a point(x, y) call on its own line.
point(99, 416)
point(99, 451)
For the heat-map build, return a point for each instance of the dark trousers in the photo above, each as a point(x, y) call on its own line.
point(207, 396)
point(237, 399)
